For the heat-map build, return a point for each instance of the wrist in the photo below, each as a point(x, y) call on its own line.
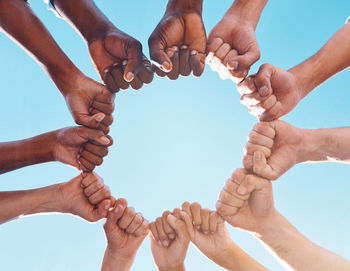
point(65, 78)
point(180, 267)
point(184, 6)
point(248, 11)
point(123, 262)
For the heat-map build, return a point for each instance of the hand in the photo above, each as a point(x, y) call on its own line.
point(90, 103)
point(85, 196)
point(125, 231)
point(119, 61)
point(169, 241)
point(278, 142)
point(271, 93)
point(80, 147)
point(177, 45)
point(246, 201)
point(234, 44)
point(207, 230)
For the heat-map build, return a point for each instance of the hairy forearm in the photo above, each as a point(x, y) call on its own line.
point(15, 204)
point(332, 58)
point(325, 145)
point(35, 150)
point(248, 10)
point(235, 259)
point(296, 251)
point(19, 22)
point(111, 262)
point(85, 16)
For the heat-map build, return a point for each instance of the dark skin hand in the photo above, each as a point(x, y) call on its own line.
point(117, 56)
point(178, 43)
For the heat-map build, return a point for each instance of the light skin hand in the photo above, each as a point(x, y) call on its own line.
point(273, 148)
point(178, 43)
point(169, 253)
point(246, 201)
point(271, 93)
point(125, 231)
point(233, 40)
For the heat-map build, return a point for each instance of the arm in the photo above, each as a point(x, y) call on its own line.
point(232, 41)
point(246, 202)
point(273, 92)
point(281, 146)
point(209, 234)
point(89, 102)
point(90, 203)
point(177, 45)
point(125, 231)
point(117, 56)
point(72, 146)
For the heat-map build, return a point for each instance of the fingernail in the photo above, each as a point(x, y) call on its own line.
point(184, 47)
point(263, 91)
point(170, 52)
point(116, 64)
point(172, 236)
point(198, 227)
point(193, 52)
point(116, 210)
point(242, 190)
point(232, 65)
point(100, 117)
point(175, 48)
point(105, 140)
point(108, 205)
point(165, 66)
point(125, 62)
point(165, 243)
point(129, 77)
point(206, 232)
point(105, 72)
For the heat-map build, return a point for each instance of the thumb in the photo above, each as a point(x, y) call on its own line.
point(157, 53)
point(261, 167)
point(179, 226)
point(263, 80)
point(103, 208)
point(249, 184)
point(245, 61)
point(115, 214)
point(94, 135)
point(188, 222)
point(134, 65)
point(90, 121)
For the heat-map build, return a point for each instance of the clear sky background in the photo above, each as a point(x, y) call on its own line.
point(174, 141)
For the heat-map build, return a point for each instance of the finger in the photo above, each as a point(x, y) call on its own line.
point(265, 129)
point(230, 199)
point(167, 229)
point(135, 224)
point(105, 96)
point(173, 53)
point(103, 107)
point(161, 233)
point(102, 207)
point(196, 63)
point(97, 150)
point(157, 53)
point(153, 229)
point(263, 80)
point(267, 104)
point(240, 65)
point(159, 72)
point(86, 165)
point(93, 188)
point(109, 80)
point(107, 120)
point(222, 51)
point(213, 221)
point(100, 195)
point(205, 214)
point(248, 162)
point(177, 213)
point(229, 56)
point(231, 187)
point(135, 63)
point(89, 121)
point(127, 218)
point(92, 158)
point(196, 214)
point(184, 66)
point(251, 183)
point(250, 148)
point(136, 83)
point(214, 44)
point(89, 178)
point(247, 86)
point(225, 210)
point(272, 114)
point(261, 168)
point(186, 208)
point(179, 227)
point(87, 134)
point(259, 139)
point(118, 77)
point(146, 73)
point(143, 229)
point(238, 175)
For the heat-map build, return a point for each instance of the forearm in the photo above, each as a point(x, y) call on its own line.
point(248, 10)
point(325, 145)
point(19, 22)
point(35, 150)
point(177, 268)
point(332, 58)
point(113, 263)
point(293, 249)
point(21, 203)
point(235, 259)
point(84, 15)
point(184, 6)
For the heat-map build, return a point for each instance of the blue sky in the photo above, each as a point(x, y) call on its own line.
point(174, 141)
